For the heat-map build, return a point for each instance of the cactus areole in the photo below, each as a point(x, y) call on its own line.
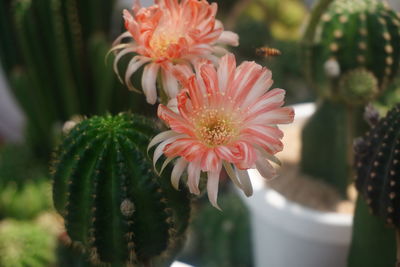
point(355, 34)
point(116, 209)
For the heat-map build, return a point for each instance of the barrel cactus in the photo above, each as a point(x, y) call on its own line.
point(115, 207)
point(377, 164)
point(352, 54)
point(356, 34)
point(378, 167)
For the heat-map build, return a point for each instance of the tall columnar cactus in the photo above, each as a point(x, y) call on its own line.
point(114, 205)
point(352, 53)
point(53, 54)
point(377, 161)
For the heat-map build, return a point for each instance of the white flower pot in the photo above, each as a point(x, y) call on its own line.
point(286, 234)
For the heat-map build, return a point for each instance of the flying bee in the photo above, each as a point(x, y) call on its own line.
point(268, 52)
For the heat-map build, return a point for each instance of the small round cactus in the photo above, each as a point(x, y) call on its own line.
point(114, 205)
point(377, 163)
point(356, 34)
point(358, 86)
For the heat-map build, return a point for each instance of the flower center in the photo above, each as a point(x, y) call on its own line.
point(161, 41)
point(215, 129)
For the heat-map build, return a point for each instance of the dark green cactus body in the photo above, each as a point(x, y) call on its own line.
point(113, 203)
point(378, 167)
point(356, 34)
point(377, 162)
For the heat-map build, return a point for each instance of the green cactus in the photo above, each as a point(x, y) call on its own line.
point(377, 162)
point(355, 34)
point(352, 55)
point(53, 54)
point(115, 207)
point(226, 241)
point(25, 244)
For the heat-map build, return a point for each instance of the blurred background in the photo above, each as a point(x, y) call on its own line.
point(52, 70)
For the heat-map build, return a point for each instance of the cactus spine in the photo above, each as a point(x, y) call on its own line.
point(113, 203)
point(352, 54)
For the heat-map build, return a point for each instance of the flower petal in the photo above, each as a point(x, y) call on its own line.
point(149, 82)
point(194, 178)
point(134, 64)
point(173, 120)
point(166, 162)
point(210, 161)
point(212, 187)
point(161, 137)
point(245, 181)
point(177, 171)
point(169, 83)
point(232, 174)
point(160, 150)
point(265, 169)
point(229, 38)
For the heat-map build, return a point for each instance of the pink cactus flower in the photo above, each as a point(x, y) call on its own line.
point(169, 33)
point(226, 118)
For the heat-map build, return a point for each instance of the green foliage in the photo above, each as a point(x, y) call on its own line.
point(373, 244)
point(25, 244)
point(24, 189)
point(53, 53)
point(25, 202)
point(114, 206)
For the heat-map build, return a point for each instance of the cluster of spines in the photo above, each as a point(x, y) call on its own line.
point(359, 33)
point(146, 209)
point(377, 162)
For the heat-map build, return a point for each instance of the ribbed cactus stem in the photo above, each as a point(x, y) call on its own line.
point(325, 146)
point(377, 162)
point(317, 11)
point(356, 33)
point(115, 207)
point(352, 54)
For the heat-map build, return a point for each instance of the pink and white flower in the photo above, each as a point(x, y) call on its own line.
point(168, 33)
point(227, 117)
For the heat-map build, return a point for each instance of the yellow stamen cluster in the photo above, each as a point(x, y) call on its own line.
point(214, 128)
point(161, 41)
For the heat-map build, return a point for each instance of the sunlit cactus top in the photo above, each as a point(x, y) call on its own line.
point(377, 163)
point(356, 34)
point(167, 33)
